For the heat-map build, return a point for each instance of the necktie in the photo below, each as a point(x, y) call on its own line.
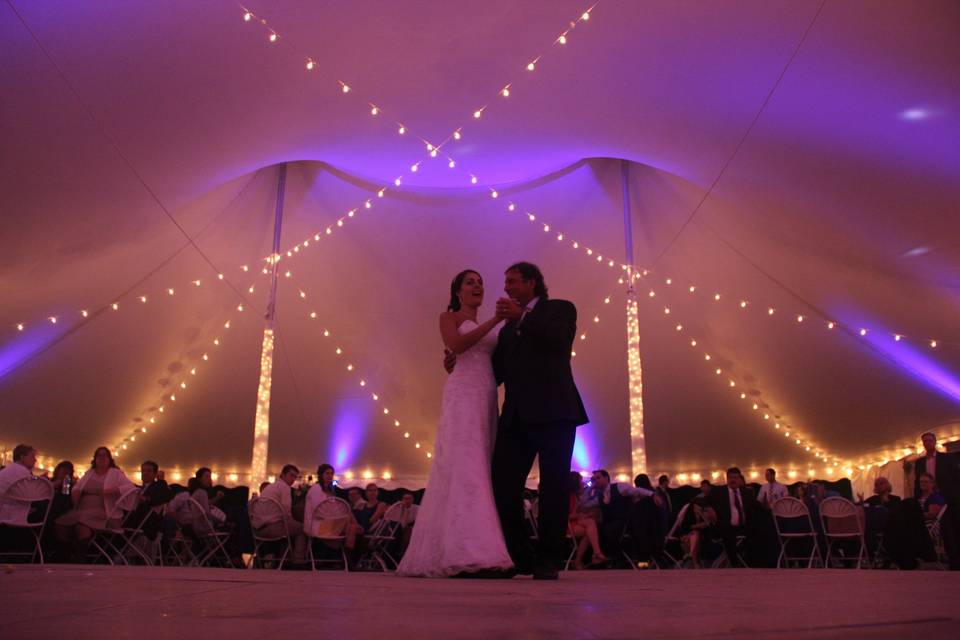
point(740, 515)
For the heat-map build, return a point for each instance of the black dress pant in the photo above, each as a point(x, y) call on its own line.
point(513, 456)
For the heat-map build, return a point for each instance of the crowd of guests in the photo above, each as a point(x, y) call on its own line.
point(615, 523)
point(104, 499)
point(611, 524)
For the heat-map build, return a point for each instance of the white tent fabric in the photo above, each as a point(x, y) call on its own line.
point(832, 127)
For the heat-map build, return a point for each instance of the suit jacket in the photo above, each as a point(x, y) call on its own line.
point(532, 360)
point(157, 493)
point(947, 475)
point(720, 501)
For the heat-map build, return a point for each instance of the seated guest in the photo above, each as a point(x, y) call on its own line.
point(705, 489)
point(355, 498)
point(642, 481)
point(269, 523)
point(666, 503)
point(772, 490)
point(407, 519)
point(693, 538)
point(734, 505)
point(11, 512)
point(200, 488)
point(583, 527)
point(24, 459)
point(882, 494)
point(153, 493)
point(931, 502)
point(615, 502)
point(323, 490)
point(371, 510)
point(646, 523)
point(94, 498)
point(877, 512)
point(263, 485)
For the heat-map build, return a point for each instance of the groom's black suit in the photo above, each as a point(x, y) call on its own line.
point(540, 414)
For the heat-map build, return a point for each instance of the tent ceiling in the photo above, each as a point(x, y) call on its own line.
point(841, 200)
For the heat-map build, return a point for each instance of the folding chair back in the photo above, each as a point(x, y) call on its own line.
point(328, 523)
point(268, 510)
point(26, 492)
point(206, 533)
point(382, 537)
point(673, 539)
point(792, 521)
point(841, 522)
point(936, 536)
point(109, 542)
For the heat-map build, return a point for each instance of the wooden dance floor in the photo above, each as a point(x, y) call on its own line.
point(138, 602)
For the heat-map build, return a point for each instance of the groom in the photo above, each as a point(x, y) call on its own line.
point(541, 412)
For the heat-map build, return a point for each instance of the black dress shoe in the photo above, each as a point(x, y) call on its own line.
point(546, 572)
point(487, 574)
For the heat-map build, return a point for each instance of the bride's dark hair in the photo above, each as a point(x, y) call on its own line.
point(455, 289)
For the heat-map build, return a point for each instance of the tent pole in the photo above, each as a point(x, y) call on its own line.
point(638, 455)
point(261, 426)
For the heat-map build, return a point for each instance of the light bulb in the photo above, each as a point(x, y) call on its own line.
point(451, 164)
point(531, 66)
point(863, 332)
point(20, 327)
point(562, 39)
point(898, 337)
point(247, 16)
point(473, 179)
point(505, 92)
point(84, 313)
point(345, 88)
point(402, 130)
point(933, 344)
point(585, 16)
point(414, 167)
point(494, 194)
point(374, 110)
point(476, 114)
point(273, 37)
point(456, 134)
point(143, 299)
point(830, 325)
point(310, 65)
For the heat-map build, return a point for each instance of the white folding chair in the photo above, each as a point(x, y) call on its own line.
point(933, 528)
point(108, 542)
point(328, 524)
point(269, 510)
point(841, 523)
point(213, 540)
point(25, 492)
point(381, 538)
point(673, 539)
point(791, 509)
point(135, 539)
point(530, 518)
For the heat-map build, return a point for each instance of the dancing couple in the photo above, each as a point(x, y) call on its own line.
point(471, 522)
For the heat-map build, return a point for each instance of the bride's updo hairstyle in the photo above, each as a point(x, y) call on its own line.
point(455, 289)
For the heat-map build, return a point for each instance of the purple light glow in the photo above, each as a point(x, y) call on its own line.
point(348, 433)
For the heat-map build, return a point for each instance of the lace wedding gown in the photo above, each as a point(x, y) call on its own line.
point(457, 527)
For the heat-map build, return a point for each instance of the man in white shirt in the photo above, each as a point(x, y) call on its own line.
point(24, 459)
point(268, 522)
point(772, 491)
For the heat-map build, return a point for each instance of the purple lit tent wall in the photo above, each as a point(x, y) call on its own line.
point(832, 128)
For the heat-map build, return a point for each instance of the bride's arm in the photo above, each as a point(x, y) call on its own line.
point(460, 343)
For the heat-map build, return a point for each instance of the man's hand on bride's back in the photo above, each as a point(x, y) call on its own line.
point(449, 360)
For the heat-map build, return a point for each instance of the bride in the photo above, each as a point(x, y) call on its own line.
point(457, 530)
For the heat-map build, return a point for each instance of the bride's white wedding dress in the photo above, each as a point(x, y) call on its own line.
point(457, 527)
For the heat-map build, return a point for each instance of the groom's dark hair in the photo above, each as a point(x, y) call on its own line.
point(530, 271)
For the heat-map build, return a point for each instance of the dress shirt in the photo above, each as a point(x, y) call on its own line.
point(771, 492)
point(13, 512)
